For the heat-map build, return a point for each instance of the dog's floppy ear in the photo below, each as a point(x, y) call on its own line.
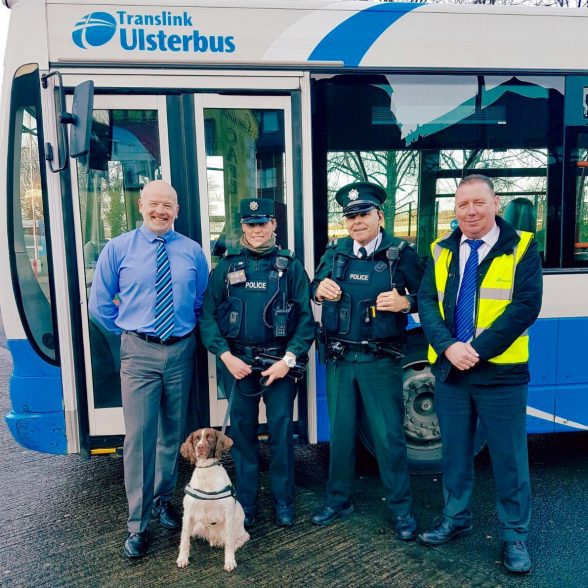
point(187, 449)
point(223, 444)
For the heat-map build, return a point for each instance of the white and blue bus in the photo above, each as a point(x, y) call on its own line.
point(285, 100)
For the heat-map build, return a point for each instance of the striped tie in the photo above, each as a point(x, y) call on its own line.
point(164, 299)
point(464, 310)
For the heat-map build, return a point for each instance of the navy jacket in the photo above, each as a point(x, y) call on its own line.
point(519, 315)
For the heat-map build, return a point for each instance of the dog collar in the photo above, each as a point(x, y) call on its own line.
point(211, 465)
point(226, 492)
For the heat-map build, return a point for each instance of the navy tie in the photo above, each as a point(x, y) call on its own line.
point(464, 310)
point(362, 253)
point(164, 300)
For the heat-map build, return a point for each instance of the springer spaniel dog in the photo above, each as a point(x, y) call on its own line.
point(211, 510)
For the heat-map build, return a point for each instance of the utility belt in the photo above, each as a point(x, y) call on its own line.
point(336, 348)
point(262, 357)
point(251, 351)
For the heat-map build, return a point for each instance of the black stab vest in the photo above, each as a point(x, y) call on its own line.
point(354, 317)
point(242, 320)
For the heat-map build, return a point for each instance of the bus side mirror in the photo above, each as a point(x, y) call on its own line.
point(81, 123)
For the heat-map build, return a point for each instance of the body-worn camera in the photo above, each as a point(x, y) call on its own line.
point(281, 322)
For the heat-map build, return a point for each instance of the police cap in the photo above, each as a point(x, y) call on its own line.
point(256, 210)
point(360, 197)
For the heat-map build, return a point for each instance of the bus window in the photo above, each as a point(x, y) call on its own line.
point(418, 135)
point(400, 208)
point(245, 158)
point(124, 156)
point(523, 198)
point(27, 210)
point(581, 234)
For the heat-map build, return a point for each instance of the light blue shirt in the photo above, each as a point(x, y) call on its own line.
point(123, 289)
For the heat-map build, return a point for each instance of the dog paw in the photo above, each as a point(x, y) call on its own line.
point(182, 562)
point(230, 564)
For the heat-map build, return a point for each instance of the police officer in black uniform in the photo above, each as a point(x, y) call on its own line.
point(258, 320)
point(366, 283)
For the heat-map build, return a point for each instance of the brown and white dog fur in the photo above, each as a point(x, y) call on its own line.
point(221, 521)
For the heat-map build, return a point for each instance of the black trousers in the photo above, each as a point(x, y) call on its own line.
point(377, 385)
point(279, 403)
point(502, 413)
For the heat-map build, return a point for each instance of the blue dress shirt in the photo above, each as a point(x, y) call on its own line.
point(123, 289)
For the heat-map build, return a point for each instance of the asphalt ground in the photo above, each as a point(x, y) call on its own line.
point(62, 524)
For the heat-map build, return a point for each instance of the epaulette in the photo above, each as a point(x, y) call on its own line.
point(332, 244)
point(232, 250)
point(286, 253)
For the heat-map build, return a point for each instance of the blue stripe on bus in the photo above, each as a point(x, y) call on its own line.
point(559, 378)
point(352, 39)
point(323, 432)
point(37, 418)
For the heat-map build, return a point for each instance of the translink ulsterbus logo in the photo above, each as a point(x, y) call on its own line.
point(148, 32)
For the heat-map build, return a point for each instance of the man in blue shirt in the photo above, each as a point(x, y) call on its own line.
point(148, 286)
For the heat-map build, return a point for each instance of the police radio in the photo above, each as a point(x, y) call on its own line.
point(281, 321)
point(339, 267)
point(281, 264)
point(279, 324)
point(392, 255)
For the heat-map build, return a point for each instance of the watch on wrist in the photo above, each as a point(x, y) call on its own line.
point(407, 309)
point(289, 359)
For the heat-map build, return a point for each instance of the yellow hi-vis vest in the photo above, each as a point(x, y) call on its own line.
point(494, 296)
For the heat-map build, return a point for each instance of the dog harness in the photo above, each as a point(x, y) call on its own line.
point(226, 492)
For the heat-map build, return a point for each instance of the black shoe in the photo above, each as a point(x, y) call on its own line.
point(135, 545)
point(168, 517)
point(284, 515)
point(250, 517)
point(328, 514)
point(444, 531)
point(405, 527)
point(515, 556)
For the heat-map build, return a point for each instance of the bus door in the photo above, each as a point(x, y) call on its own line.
point(245, 149)
point(128, 149)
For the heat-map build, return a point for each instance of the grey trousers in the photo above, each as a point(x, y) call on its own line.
point(155, 382)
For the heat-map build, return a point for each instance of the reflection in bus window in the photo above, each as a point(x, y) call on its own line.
point(124, 156)
point(27, 217)
point(31, 203)
point(418, 135)
point(245, 158)
point(397, 171)
point(581, 240)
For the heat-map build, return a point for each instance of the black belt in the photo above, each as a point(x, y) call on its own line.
point(370, 346)
point(253, 350)
point(155, 339)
